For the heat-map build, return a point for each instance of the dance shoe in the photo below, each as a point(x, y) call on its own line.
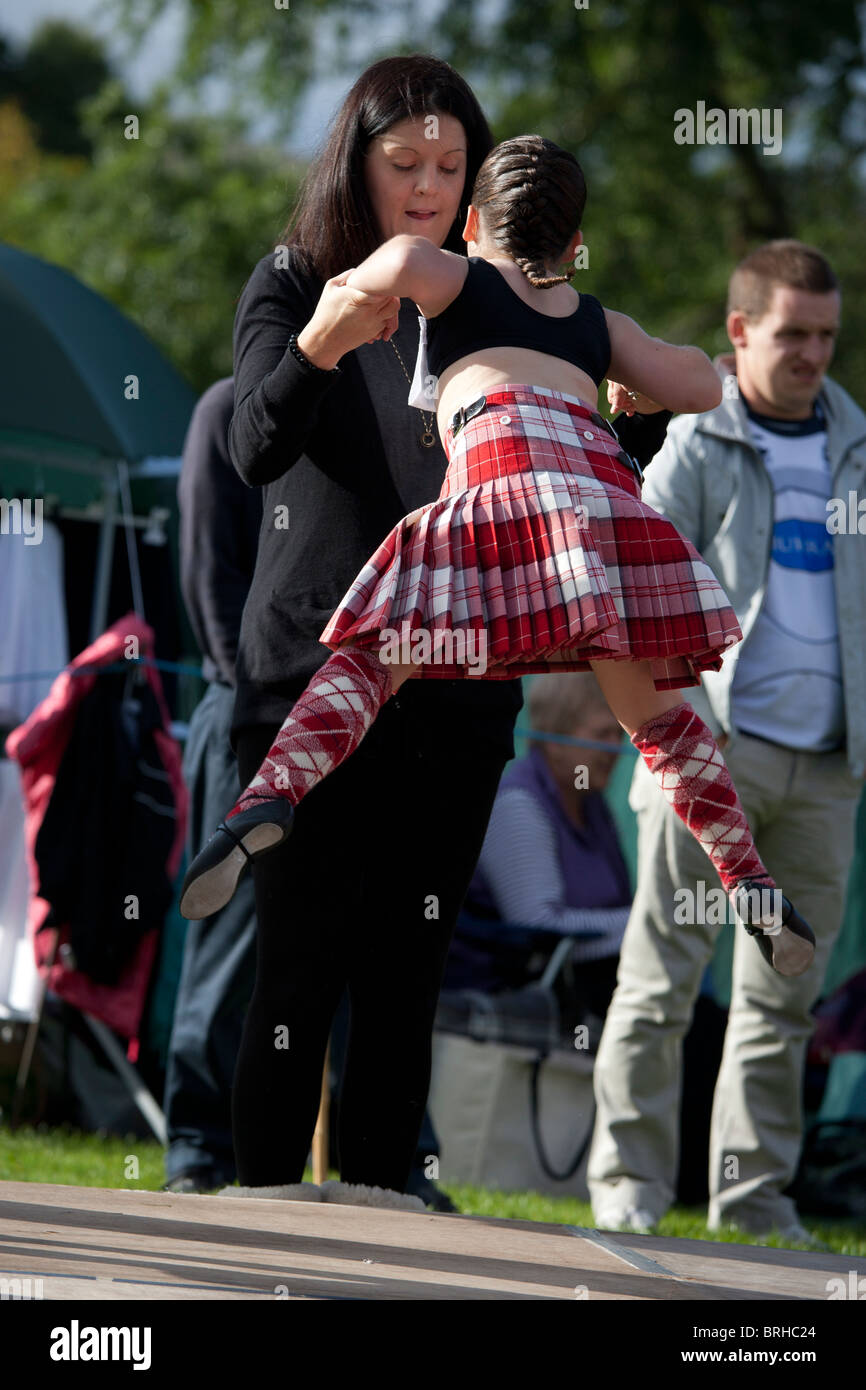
point(196, 1180)
point(785, 939)
point(213, 875)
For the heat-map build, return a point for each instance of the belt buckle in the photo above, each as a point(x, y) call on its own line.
point(466, 412)
point(622, 456)
point(636, 466)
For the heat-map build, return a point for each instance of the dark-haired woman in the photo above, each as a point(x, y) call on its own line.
point(538, 548)
point(382, 852)
point(322, 425)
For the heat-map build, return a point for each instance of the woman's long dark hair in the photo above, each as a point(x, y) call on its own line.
point(332, 226)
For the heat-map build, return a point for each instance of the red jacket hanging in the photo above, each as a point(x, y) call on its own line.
point(106, 811)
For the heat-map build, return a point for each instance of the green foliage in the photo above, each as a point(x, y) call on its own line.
point(62, 67)
point(167, 226)
point(666, 223)
point(266, 56)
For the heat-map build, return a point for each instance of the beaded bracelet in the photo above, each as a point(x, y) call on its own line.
point(305, 361)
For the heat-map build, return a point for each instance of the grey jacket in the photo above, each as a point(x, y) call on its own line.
point(711, 482)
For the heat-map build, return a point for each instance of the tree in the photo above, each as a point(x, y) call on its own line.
point(61, 68)
point(267, 53)
point(665, 223)
point(167, 226)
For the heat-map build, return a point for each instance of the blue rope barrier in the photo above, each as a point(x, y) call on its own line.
point(113, 666)
point(533, 734)
point(572, 742)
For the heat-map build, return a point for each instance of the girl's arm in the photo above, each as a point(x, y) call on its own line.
point(678, 378)
point(411, 267)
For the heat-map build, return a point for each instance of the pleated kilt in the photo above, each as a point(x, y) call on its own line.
point(540, 554)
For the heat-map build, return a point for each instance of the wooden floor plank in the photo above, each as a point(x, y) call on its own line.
point(122, 1244)
point(747, 1271)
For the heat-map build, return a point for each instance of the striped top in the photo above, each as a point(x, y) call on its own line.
point(537, 869)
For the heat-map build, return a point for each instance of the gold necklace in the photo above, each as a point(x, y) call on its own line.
point(428, 438)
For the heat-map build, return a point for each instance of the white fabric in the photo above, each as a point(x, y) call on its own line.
point(788, 682)
point(33, 633)
point(19, 978)
point(33, 637)
point(424, 391)
point(343, 1193)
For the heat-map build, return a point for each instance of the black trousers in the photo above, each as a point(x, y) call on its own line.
point(363, 896)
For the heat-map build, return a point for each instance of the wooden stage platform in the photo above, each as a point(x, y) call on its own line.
point(101, 1243)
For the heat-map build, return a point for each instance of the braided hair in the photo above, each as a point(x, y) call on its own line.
point(532, 194)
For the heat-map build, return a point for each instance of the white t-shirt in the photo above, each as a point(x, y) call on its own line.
point(787, 684)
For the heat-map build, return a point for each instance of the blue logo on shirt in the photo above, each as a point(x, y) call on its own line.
point(802, 545)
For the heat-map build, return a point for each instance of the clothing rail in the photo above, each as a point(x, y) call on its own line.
point(52, 507)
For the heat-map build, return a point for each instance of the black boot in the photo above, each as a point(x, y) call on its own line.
point(212, 877)
point(419, 1185)
point(789, 951)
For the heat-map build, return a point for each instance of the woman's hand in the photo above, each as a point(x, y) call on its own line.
point(391, 326)
point(621, 398)
point(343, 319)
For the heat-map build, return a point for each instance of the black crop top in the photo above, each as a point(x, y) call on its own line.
point(489, 313)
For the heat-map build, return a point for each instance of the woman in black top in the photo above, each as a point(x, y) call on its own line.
point(366, 890)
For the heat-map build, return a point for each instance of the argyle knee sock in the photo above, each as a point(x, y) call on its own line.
point(326, 724)
point(683, 756)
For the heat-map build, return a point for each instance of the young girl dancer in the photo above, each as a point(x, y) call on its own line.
point(538, 553)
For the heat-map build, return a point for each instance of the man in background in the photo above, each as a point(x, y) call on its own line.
point(752, 484)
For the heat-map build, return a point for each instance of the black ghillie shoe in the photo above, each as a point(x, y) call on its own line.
point(786, 941)
point(213, 875)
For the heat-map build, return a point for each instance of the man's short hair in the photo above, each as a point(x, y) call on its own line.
point(782, 262)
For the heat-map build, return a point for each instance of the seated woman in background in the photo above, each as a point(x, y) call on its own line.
point(551, 858)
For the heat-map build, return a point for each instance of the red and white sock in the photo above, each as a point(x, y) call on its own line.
point(326, 724)
point(685, 759)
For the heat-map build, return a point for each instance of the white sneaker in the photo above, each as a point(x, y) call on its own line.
point(798, 1235)
point(795, 1234)
point(636, 1219)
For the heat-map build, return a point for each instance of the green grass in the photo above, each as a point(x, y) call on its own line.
point(67, 1156)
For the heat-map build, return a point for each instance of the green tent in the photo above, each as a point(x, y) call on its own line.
point(92, 425)
point(89, 409)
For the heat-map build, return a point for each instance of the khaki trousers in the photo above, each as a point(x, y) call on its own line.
point(802, 809)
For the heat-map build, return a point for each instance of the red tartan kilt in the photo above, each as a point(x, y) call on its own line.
point(540, 554)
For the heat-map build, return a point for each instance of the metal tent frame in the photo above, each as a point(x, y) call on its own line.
point(115, 476)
